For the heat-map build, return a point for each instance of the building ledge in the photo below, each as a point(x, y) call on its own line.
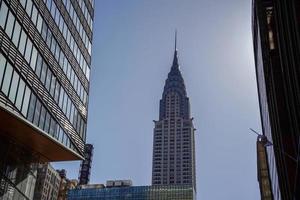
point(15, 127)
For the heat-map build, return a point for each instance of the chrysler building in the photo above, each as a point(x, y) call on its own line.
point(173, 161)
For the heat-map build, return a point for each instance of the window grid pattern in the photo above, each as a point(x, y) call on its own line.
point(134, 193)
point(76, 12)
point(46, 76)
point(84, 15)
point(21, 65)
point(22, 99)
point(65, 39)
point(90, 6)
point(81, 47)
point(38, 41)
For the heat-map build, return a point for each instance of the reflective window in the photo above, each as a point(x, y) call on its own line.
point(10, 24)
point(3, 13)
point(38, 66)
point(21, 89)
point(47, 122)
point(16, 34)
point(22, 42)
point(33, 58)
point(28, 50)
point(57, 91)
point(39, 23)
point(61, 98)
point(7, 78)
point(42, 118)
point(2, 67)
point(31, 107)
point(48, 79)
point(14, 85)
point(29, 6)
point(52, 87)
point(23, 2)
point(34, 15)
point(26, 101)
point(43, 74)
point(37, 112)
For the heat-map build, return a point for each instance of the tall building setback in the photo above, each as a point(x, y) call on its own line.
point(47, 183)
point(86, 164)
point(276, 41)
point(45, 60)
point(173, 142)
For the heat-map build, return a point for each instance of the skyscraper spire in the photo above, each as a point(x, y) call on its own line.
point(175, 39)
point(175, 60)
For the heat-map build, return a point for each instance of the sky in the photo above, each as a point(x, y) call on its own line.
point(132, 53)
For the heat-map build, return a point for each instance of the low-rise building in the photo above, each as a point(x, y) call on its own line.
point(65, 184)
point(124, 190)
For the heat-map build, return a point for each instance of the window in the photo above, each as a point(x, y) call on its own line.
point(22, 42)
point(43, 74)
point(2, 67)
point(28, 50)
point(3, 14)
point(16, 34)
point(61, 98)
point(65, 102)
point(31, 107)
point(20, 94)
point(53, 128)
point(29, 7)
point(23, 2)
point(37, 112)
point(10, 24)
point(57, 90)
point(26, 101)
point(38, 65)
point(39, 23)
point(48, 79)
point(33, 58)
point(7, 78)
point(44, 31)
point(13, 87)
point(42, 117)
point(34, 15)
point(52, 87)
point(47, 122)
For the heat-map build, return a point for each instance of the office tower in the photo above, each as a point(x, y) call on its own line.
point(86, 164)
point(47, 183)
point(45, 59)
point(117, 191)
point(276, 37)
point(263, 176)
point(173, 143)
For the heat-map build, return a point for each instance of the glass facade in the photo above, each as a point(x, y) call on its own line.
point(47, 78)
point(45, 61)
point(134, 193)
point(276, 42)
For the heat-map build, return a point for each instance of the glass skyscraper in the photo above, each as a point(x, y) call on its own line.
point(173, 142)
point(134, 193)
point(276, 42)
point(45, 60)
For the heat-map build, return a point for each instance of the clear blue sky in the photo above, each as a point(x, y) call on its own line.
point(132, 53)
